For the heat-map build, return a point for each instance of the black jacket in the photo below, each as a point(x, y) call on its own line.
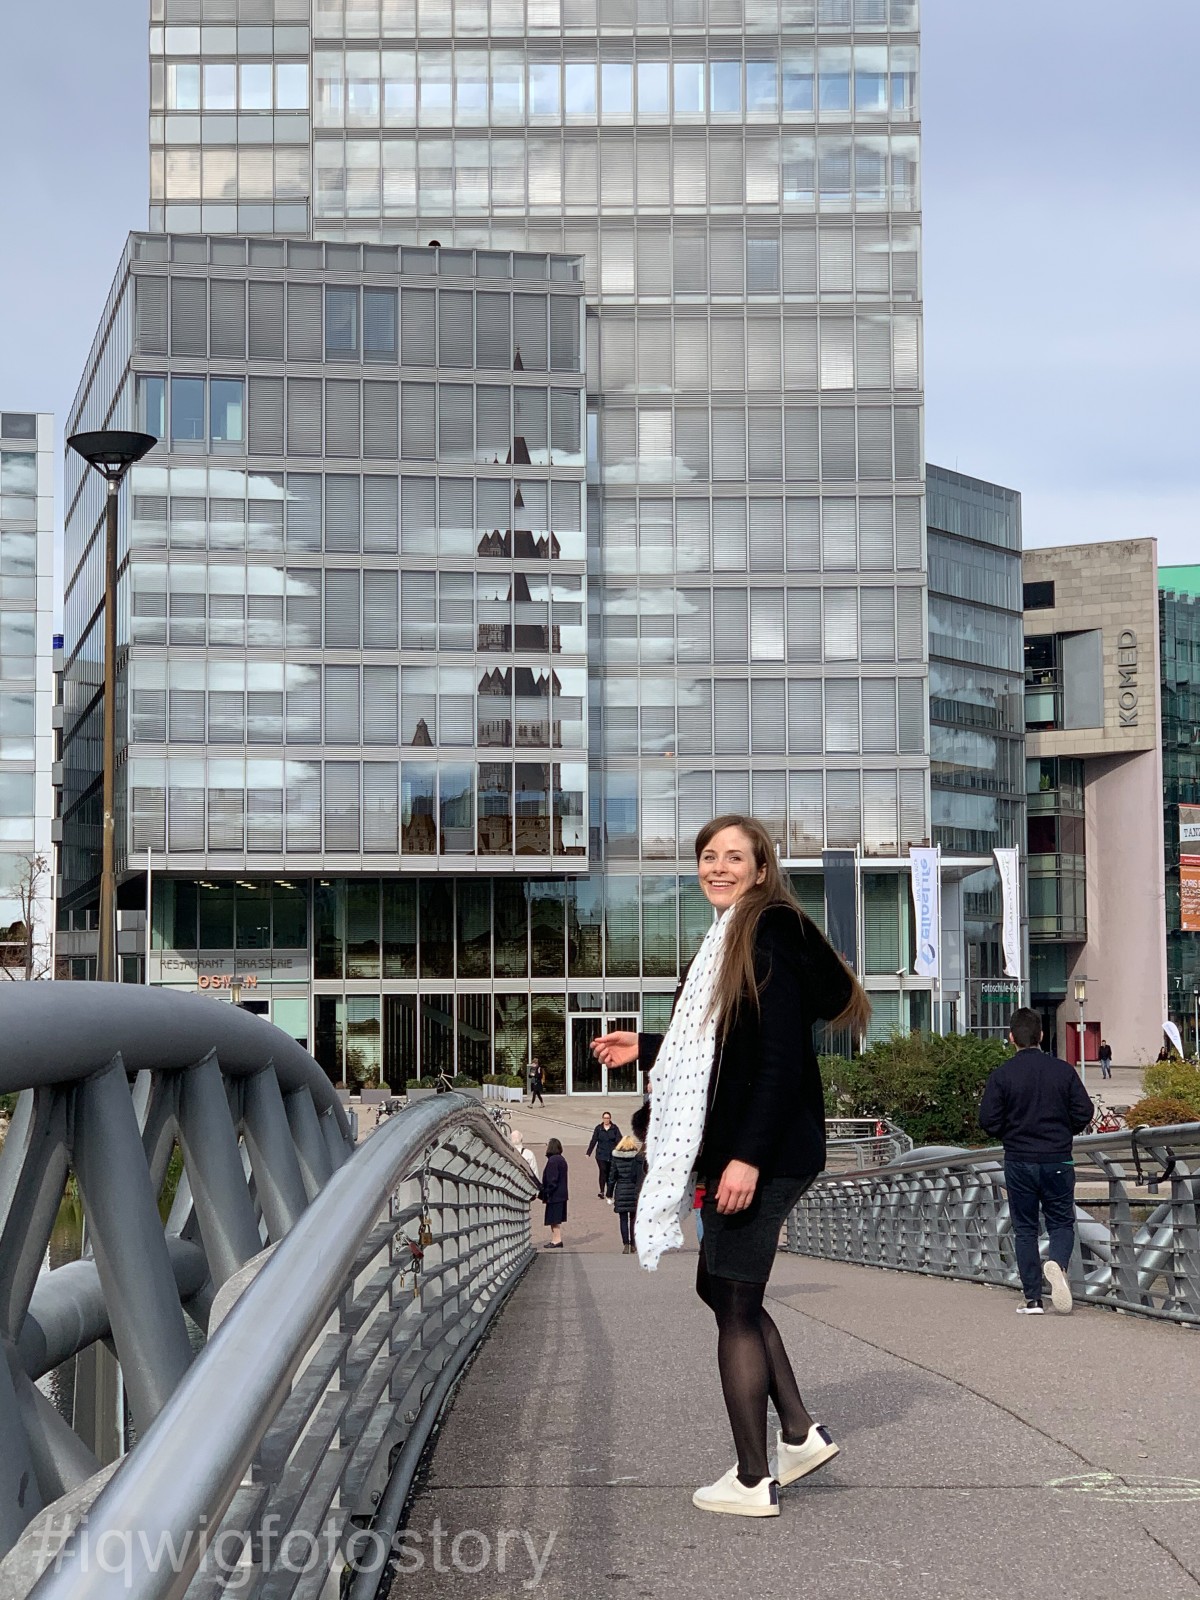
point(765, 1102)
point(1033, 1103)
point(554, 1180)
point(625, 1178)
point(604, 1141)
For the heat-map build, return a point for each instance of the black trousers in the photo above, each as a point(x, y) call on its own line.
point(602, 1165)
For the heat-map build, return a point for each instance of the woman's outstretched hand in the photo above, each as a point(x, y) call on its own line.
point(736, 1188)
point(615, 1049)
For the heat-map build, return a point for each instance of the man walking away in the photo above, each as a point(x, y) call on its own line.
point(1034, 1104)
point(1105, 1059)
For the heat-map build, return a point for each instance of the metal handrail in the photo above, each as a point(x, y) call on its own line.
point(946, 1212)
point(209, 1443)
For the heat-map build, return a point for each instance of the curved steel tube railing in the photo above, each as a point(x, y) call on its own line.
point(327, 1369)
point(946, 1212)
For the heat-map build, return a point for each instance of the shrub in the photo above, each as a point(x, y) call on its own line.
point(928, 1084)
point(1174, 1080)
point(1159, 1111)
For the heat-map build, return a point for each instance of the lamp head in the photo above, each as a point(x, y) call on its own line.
point(1080, 990)
point(112, 451)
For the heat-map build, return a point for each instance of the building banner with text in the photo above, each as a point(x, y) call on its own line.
point(1008, 863)
point(925, 865)
point(1189, 868)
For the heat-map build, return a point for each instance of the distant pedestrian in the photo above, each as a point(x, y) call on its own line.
point(1034, 1104)
point(1105, 1059)
point(625, 1173)
point(605, 1138)
point(554, 1192)
point(536, 1083)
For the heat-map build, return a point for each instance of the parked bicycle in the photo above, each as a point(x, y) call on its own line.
point(1104, 1118)
point(500, 1117)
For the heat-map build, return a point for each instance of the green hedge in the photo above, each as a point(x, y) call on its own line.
point(505, 1080)
point(1174, 1080)
point(928, 1084)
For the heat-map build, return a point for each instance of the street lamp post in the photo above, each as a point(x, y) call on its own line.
point(235, 990)
point(112, 452)
point(1196, 1021)
point(1080, 997)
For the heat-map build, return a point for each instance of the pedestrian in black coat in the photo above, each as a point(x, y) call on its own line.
point(625, 1173)
point(554, 1192)
point(605, 1137)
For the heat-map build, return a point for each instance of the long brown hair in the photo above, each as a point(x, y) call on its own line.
point(736, 983)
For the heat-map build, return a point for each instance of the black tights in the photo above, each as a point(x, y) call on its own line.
point(753, 1365)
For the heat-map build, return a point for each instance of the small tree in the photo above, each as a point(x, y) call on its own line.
point(1174, 1080)
point(25, 943)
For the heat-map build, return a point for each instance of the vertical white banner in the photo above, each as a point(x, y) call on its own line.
point(1008, 862)
point(927, 907)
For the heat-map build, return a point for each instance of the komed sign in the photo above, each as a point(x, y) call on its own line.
point(1127, 660)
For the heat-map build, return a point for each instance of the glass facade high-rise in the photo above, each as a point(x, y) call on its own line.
point(740, 183)
point(976, 723)
point(1179, 644)
point(26, 692)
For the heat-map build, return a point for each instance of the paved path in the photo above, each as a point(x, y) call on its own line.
point(977, 1447)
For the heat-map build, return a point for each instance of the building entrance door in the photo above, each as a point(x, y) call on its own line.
point(587, 1076)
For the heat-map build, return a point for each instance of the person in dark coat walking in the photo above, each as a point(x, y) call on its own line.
point(1105, 1059)
point(554, 1192)
point(1034, 1104)
point(605, 1138)
point(536, 1082)
point(625, 1173)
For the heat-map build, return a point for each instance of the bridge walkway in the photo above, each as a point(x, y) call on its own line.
point(983, 1454)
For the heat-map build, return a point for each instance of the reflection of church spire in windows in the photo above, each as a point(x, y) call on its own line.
point(421, 734)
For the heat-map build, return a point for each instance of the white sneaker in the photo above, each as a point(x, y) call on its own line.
point(794, 1461)
point(1031, 1308)
point(732, 1497)
point(1060, 1289)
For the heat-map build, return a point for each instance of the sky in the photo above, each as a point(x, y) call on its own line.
point(1062, 236)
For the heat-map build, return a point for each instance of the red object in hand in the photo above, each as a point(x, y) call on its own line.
point(698, 1199)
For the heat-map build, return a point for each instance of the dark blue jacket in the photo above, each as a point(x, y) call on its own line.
point(1034, 1103)
point(604, 1141)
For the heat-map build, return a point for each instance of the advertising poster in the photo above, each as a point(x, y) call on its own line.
point(927, 908)
point(1189, 868)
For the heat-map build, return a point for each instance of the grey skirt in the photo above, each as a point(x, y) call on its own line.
point(742, 1245)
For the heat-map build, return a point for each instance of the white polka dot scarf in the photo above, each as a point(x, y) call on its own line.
point(679, 1080)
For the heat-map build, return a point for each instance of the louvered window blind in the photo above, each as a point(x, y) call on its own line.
point(343, 433)
point(910, 535)
point(730, 625)
point(303, 806)
point(341, 705)
point(874, 442)
point(417, 421)
point(380, 807)
point(341, 805)
point(493, 331)
point(418, 328)
point(304, 417)
point(303, 511)
point(418, 517)
point(837, 442)
point(381, 705)
point(189, 317)
point(912, 703)
point(380, 609)
point(838, 541)
point(303, 607)
point(837, 353)
point(841, 624)
point(342, 513)
point(843, 818)
point(804, 716)
point(763, 370)
point(381, 514)
point(150, 316)
point(266, 321)
point(766, 625)
point(342, 609)
point(768, 729)
point(265, 422)
point(874, 351)
point(530, 331)
point(800, 252)
point(456, 441)
point(806, 813)
point(766, 535)
point(802, 534)
point(731, 716)
point(800, 444)
point(910, 624)
point(878, 624)
point(880, 834)
point(804, 624)
point(728, 445)
point(879, 716)
point(766, 443)
point(875, 535)
point(729, 535)
point(228, 311)
point(564, 333)
point(226, 818)
point(841, 716)
point(381, 420)
point(694, 717)
point(914, 823)
point(418, 622)
point(305, 329)
point(907, 421)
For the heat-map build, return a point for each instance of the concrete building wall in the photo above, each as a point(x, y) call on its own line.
point(1125, 957)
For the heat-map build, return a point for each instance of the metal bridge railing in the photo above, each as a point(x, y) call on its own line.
point(946, 1213)
point(288, 1449)
point(862, 1142)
